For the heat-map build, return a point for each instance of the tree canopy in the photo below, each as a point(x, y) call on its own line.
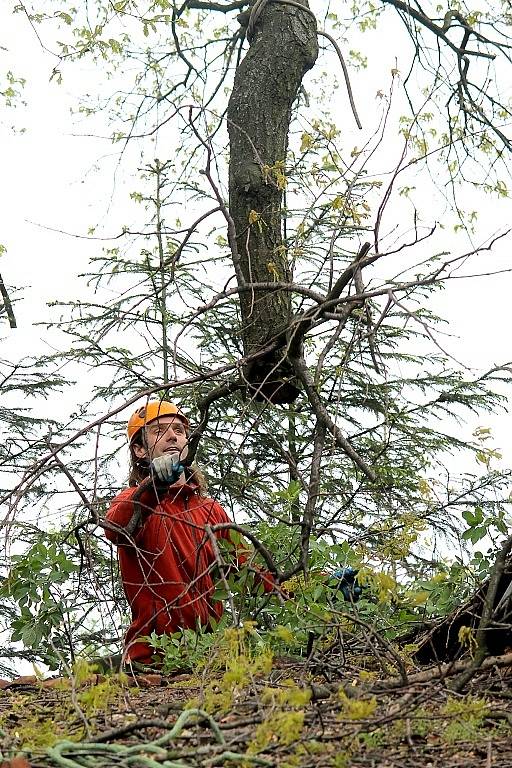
point(282, 283)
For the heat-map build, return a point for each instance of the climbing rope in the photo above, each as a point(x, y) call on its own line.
point(147, 754)
point(256, 11)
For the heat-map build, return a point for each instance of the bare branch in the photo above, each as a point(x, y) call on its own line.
point(322, 414)
point(7, 304)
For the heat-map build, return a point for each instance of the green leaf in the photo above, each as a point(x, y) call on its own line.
point(220, 594)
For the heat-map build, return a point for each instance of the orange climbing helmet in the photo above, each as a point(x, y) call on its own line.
point(151, 411)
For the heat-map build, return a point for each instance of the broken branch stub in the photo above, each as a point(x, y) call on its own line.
point(284, 46)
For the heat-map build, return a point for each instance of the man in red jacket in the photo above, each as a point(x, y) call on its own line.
point(168, 563)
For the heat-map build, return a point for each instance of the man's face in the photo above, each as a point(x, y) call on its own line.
point(166, 434)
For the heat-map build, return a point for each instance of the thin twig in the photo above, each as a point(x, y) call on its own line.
point(313, 494)
point(263, 551)
point(222, 565)
point(441, 672)
point(321, 413)
point(7, 304)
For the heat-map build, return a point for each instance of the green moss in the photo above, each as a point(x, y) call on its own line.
point(341, 760)
point(356, 709)
point(289, 694)
point(99, 697)
point(466, 720)
point(34, 731)
point(302, 752)
point(36, 734)
point(238, 660)
point(279, 727)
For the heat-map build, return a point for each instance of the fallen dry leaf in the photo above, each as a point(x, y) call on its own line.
point(16, 762)
point(56, 682)
point(23, 680)
point(149, 680)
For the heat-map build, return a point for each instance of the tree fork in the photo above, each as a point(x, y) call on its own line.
point(283, 47)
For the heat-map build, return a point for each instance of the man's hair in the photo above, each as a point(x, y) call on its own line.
point(139, 469)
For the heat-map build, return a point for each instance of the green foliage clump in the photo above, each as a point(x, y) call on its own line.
point(36, 734)
point(278, 728)
point(31, 583)
point(353, 708)
point(466, 719)
point(285, 719)
point(237, 657)
point(32, 729)
point(99, 697)
point(185, 650)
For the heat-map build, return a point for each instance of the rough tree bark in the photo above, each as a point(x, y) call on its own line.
point(283, 48)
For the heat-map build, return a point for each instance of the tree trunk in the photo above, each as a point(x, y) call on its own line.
point(266, 83)
point(442, 642)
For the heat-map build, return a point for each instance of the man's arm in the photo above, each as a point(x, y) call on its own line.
point(123, 508)
point(130, 509)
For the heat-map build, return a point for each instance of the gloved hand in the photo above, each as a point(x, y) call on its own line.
point(345, 580)
point(166, 468)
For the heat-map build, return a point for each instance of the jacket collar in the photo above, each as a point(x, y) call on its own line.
point(188, 488)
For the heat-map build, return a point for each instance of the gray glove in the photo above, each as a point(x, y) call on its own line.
point(167, 468)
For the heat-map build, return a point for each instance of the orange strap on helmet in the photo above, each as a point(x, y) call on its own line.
point(150, 412)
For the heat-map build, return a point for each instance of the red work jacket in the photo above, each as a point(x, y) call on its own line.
point(166, 567)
